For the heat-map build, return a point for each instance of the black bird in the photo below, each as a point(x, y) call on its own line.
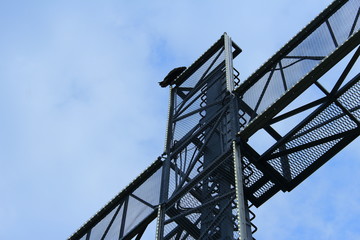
point(171, 76)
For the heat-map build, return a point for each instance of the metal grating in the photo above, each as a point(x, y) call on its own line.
point(295, 62)
point(187, 113)
point(127, 211)
point(199, 212)
point(307, 145)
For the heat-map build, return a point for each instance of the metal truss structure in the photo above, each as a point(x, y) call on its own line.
point(210, 174)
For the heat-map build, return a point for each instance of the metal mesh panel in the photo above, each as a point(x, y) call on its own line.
point(341, 19)
point(114, 229)
point(261, 191)
point(139, 209)
point(98, 231)
point(186, 163)
point(283, 74)
point(329, 122)
point(350, 100)
point(251, 173)
point(187, 113)
point(203, 210)
point(189, 161)
point(310, 141)
point(127, 210)
point(184, 126)
point(150, 189)
point(136, 212)
point(301, 160)
point(258, 186)
point(205, 69)
point(178, 180)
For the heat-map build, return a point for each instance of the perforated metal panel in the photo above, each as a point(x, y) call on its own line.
point(292, 65)
point(127, 211)
point(307, 145)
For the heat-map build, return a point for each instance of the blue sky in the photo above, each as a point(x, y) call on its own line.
point(81, 113)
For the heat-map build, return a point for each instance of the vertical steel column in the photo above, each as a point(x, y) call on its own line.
point(242, 207)
point(158, 222)
point(244, 226)
point(229, 63)
point(164, 191)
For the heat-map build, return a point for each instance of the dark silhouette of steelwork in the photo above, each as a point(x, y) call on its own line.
point(204, 184)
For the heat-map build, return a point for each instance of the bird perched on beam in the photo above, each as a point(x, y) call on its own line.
point(171, 76)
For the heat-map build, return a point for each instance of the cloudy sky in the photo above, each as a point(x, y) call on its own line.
point(81, 113)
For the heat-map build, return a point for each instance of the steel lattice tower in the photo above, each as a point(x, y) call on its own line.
point(209, 176)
